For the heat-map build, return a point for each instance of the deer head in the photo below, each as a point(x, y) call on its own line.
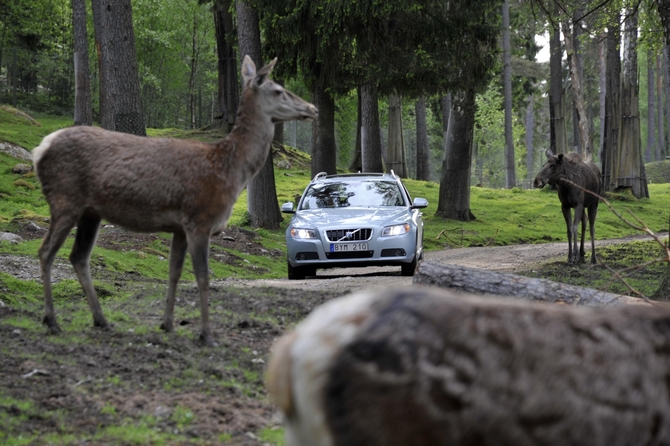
point(271, 98)
point(550, 171)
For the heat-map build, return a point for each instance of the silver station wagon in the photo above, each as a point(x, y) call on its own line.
point(354, 220)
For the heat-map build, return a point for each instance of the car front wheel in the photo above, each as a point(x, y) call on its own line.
point(299, 272)
point(408, 269)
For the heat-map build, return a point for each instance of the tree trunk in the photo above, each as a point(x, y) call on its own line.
point(577, 62)
point(454, 194)
point(479, 281)
point(228, 94)
point(192, 74)
point(558, 136)
point(261, 191)
point(577, 92)
point(422, 147)
point(612, 110)
point(371, 147)
point(651, 107)
point(666, 97)
point(119, 67)
point(396, 159)
point(602, 84)
point(324, 152)
point(629, 166)
point(83, 107)
point(510, 174)
point(445, 105)
point(356, 162)
point(660, 140)
point(530, 133)
point(106, 111)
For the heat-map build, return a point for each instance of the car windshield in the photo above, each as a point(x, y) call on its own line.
point(352, 193)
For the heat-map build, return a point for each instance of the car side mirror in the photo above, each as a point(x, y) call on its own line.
point(419, 203)
point(287, 208)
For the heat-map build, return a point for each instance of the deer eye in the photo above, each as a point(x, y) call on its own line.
point(279, 92)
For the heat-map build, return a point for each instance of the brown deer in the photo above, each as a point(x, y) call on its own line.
point(427, 367)
point(184, 187)
point(586, 175)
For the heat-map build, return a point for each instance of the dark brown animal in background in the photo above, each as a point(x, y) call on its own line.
point(184, 187)
point(585, 174)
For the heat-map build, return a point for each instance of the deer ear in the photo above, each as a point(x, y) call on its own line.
point(548, 153)
point(264, 72)
point(248, 69)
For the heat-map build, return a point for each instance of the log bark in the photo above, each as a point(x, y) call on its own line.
point(483, 282)
point(421, 366)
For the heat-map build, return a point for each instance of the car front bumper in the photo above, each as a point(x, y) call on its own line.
point(381, 251)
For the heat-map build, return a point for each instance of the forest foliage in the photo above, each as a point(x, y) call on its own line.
point(176, 50)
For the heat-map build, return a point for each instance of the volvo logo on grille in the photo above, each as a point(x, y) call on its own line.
point(343, 234)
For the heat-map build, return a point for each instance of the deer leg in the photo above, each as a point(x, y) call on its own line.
point(579, 213)
point(568, 223)
point(53, 240)
point(80, 257)
point(581, 247)
point(198, 247)
point(593, 211)
point(177, 256)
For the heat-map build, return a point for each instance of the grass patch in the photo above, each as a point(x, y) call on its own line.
point(16, 128)
point(272, 435)
point(618, 257)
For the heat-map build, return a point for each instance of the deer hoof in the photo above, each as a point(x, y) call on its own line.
point(207, 340)
point(101, 322)
point(167, 327)
point(52, 325)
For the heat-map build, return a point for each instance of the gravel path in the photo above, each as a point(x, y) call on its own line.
point(495, 258)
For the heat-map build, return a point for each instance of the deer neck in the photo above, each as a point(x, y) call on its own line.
point(250, 138)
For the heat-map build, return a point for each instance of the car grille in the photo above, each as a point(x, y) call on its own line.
point(349, 235)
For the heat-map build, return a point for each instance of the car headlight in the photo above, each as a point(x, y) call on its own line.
point(299, 233)
point(395, 230)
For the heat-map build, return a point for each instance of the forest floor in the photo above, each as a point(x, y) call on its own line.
point(137, 385)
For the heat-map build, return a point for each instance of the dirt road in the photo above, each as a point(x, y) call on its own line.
point(511, 258)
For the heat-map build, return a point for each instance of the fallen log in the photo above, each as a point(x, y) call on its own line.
point(424, 366)
point(484, 282)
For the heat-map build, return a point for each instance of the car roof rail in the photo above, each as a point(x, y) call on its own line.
point(319, 175)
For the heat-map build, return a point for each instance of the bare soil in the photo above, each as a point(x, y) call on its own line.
point(85, 381)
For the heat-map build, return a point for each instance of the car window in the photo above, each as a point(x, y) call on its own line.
point(352, 193)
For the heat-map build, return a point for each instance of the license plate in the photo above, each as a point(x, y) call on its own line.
point(339, 247)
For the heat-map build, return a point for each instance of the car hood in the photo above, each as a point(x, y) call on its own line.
point(351, 216)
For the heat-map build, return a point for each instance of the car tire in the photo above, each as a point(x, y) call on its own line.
point(299, 272)
point(408, 269)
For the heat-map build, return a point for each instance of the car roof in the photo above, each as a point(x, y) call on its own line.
point(321, 176)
